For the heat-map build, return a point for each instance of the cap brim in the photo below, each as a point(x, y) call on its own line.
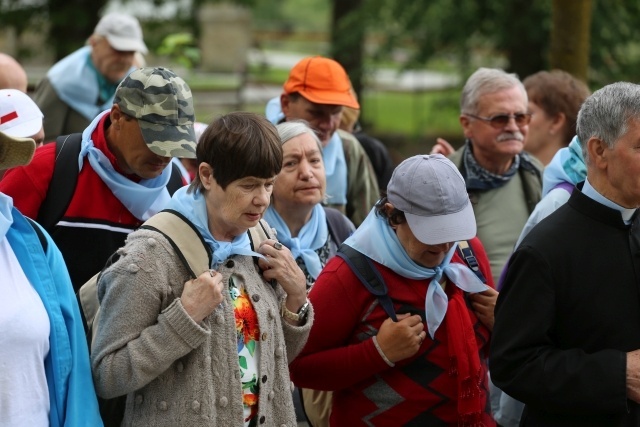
point(15, 151)
point(126, 44)
point(169, 141)
point(330, 98)
point(435, 230)
point(28, 128)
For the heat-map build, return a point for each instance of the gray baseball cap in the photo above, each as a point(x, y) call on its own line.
point(122, 31)
point(433, 196)
point(163, 104)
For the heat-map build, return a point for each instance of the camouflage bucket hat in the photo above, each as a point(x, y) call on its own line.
point(163, 105)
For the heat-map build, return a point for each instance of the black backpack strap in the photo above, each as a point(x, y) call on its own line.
point(370, 277)
point(63, 182)
point(466, 252)
point(338, 227)
point(175, 182)
point(40, 233)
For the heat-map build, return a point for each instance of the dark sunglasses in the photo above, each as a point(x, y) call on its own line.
point(502, 120)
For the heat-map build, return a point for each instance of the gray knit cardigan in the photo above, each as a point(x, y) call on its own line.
point(174, 371)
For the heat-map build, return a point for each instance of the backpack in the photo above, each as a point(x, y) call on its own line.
point(181, 234)
point(65, 177)
point(196, 258)
point(339, 225)
point(317, 403)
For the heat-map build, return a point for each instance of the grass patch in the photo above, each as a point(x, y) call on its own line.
point(213, 82)
point(267, 75)
point(414, 114)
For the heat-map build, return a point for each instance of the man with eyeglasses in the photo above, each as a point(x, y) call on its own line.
point(503, 181)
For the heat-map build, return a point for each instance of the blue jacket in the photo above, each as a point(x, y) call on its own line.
point(72, 396)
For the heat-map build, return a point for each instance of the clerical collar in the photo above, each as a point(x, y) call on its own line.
point(593, 194)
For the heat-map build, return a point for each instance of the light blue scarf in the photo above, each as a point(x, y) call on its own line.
point(194, 207)
point(377, 240)
point(75, 80)
point(567, 165)
point(335, 164)
point(6, 218)
point(143, 199)
point(312, 236)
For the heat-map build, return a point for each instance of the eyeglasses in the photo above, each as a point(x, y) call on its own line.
point(502, 120)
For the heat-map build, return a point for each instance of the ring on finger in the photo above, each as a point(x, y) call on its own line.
point(277, 245)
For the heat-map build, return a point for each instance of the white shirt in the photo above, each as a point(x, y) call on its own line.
point(24, 345)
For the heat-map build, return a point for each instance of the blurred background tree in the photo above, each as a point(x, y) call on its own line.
point(366, 36)
point(365, 32)
point(569, 48)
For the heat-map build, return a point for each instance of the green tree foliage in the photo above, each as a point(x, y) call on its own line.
point(474, 31)
point(615, 42)
point(467, 30)
point(67, 22)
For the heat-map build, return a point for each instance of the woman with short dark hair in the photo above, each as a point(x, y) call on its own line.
point(213, 350)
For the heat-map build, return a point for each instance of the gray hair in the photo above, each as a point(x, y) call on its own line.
point(606, 114)
point(291, 129)
point(484, 81)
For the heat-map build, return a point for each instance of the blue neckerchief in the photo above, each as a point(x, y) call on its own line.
point(593, 194)
point(75, 81)
point(335, 164)
point(273, 111)
point(567, 165)
point(478, 178)
point(143, 199)
point(377, 240)
point(312, 236)
point(194, 207)
point(6, 217)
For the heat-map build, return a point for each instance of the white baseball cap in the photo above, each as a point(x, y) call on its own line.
point(122, 31)
point(19, 115)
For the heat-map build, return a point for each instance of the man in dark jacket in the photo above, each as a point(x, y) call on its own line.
point(567, 322)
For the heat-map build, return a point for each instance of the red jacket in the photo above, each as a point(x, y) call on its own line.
point(95, 224)
point(340, 354)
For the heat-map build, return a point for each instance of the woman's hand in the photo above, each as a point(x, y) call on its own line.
point(402, 339)
point(280, 265)
point(202, 295)
point(484, 303)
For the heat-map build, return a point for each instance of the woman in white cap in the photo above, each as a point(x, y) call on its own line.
point(428, 365)
point(45, 379)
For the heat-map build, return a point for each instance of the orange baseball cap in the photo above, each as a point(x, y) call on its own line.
point(321, 80)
